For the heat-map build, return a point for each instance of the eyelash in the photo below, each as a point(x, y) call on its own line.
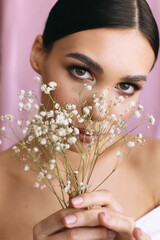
point(136, 87)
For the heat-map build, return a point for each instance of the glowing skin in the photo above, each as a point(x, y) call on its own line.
point(104, 58)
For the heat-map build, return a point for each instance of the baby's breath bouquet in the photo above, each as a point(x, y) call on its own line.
point(43, 141)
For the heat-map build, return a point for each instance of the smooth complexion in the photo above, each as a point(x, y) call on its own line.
point(104, 58)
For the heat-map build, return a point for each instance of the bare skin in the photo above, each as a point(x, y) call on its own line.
point(130, 193)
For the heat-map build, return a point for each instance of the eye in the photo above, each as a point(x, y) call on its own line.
point(81, 73)
point(127, 88)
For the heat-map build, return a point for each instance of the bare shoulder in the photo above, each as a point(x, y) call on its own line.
point(147, 162)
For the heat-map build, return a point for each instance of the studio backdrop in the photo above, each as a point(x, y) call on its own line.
point(21, 21)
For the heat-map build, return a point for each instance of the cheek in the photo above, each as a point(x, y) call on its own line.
point(125, 106)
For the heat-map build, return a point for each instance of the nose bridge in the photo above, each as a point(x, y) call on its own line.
point(99, 99)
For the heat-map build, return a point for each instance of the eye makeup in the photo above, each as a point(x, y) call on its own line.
point(83, 74)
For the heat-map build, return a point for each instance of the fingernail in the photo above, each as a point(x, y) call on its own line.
point(77, 200)
point(70, 219)
point(111, 234)
point(107, 216)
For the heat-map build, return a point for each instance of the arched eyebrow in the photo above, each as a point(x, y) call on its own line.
point(98, 68)
point(87, 60)
point(134, 78)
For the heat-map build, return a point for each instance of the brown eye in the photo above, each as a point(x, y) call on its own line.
point(126, 88)
point(81, 73)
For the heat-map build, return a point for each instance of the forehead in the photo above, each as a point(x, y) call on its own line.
point(127, 49)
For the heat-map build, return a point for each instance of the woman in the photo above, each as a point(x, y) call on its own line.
point(107, 44)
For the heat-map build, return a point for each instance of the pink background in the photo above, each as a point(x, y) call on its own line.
point(21, 21)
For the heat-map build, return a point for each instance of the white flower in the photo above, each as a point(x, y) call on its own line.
point(53, 85)
point(80, 120)
point(30, 100)
point(73, 107)
point(81, 183)
point(43, 87)
point(37, 79)
point(86, 110)
point(21, 106)
point(40, 176)
point(36, 185)
point(0, 141)
point(140, 107)
point(89, 87)
point(50, 114)
point(30, 93)
point(9, 117)
point(76, 131)
point(139, 135)
point(139, 141)
point(24, 131)
point(118, 154)
point(72, 140)
point(43, 113)
point(3, 128)
point(43, 186)
point(75, 112)
point(69, 130)
point(35, 149)
point(97, 106)
point(61, 132)
point(16, 149)
point(27, 106)
point(43, 141)
point(36, 107)
point(19, 122)
point(152, 119)
point(53, 161)
point(113, 117)
point(51, 166)
point(21, 95)
point(47, 90)
point(132, 104)
point(137, 114)
point(49, 176)
point(120, 99)
point(28, 123)
point(54, 138)
point(131, 144)
point(26, 168)
point(58, 149)
point(57, 105)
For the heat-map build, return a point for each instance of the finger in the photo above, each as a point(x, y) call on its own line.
point(119, 223)
point(98, 198)
point(140, 235)
point(53, 223)
point(84, 233)
point(90, 217)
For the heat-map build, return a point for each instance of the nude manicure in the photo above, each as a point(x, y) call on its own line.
point(77, 200)
point(70, 219)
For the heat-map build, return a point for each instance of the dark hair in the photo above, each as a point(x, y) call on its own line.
point(70, 16)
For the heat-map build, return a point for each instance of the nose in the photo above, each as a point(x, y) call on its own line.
point(97, 103)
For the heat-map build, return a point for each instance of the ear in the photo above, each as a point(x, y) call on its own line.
point(37, 55)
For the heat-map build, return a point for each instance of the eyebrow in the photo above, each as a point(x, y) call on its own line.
point(87, 60)
point(134, 78)
point(97, 67)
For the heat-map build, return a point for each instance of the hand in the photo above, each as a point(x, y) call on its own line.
point(109, 215)
point(140, 235)
point(53, 228)
point(80, 223)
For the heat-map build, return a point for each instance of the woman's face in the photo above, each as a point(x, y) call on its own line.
point(114, 59)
